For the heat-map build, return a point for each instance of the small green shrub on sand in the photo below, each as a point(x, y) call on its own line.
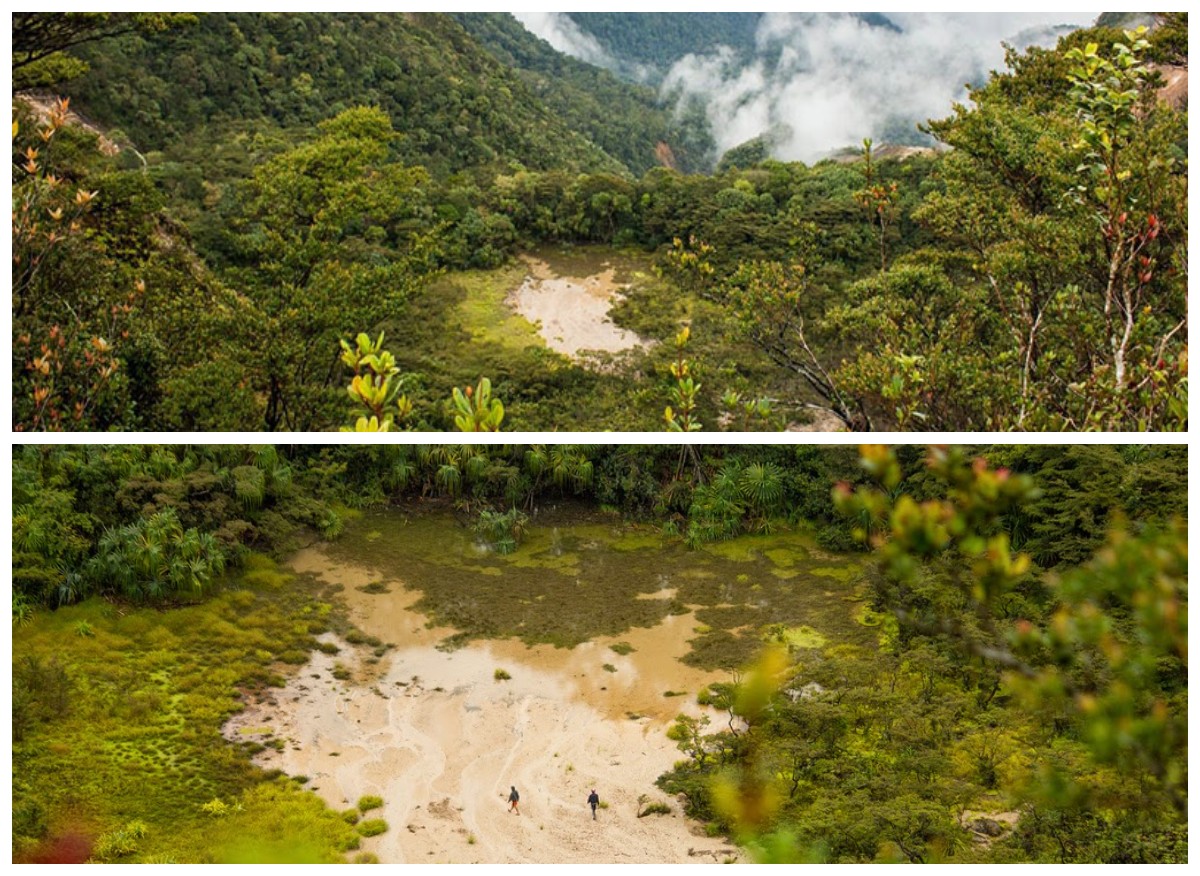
point(369, 802)
point(372, 827)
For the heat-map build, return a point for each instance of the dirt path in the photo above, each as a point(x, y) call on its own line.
point(441, 740)
point(572, 312)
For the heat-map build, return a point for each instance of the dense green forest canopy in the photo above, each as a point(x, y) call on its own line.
point(75, 504)
point(658, 39)
point(1030, 275)
point(457, 105)
point(1020, 695)
point(628, 121)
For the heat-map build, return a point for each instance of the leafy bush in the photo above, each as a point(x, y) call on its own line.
point(22, 610)
point(29, 820)
point(41, 691)
point(502, 529)
point(332, 525)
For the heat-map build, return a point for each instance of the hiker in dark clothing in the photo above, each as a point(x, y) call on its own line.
point(513, 799)
point(593, 801)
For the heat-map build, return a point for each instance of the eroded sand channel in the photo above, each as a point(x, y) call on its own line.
point(571, 312)
point(441, 740)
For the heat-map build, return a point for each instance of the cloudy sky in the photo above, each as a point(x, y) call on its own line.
point(836, 80)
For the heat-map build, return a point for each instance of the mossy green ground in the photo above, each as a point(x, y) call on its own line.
point(575, 577)
point(140, 737)
point(484, 314)
point(461, 329)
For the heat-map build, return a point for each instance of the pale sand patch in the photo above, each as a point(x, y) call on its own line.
point(974, 820)
point(821, 421)
point(441, 741)
point(571, 313)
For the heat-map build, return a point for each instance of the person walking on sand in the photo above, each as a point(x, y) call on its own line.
point(593, 801)
point(513, 799)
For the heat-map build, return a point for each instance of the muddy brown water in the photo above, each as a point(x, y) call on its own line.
point(436, 734)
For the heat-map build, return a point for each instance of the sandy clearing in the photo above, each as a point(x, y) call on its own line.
point(441, 740)
point(820, 421)
point(571, 313)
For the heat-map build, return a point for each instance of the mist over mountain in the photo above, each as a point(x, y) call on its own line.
point(270, 186)
point(648, 44)
point(812, 82)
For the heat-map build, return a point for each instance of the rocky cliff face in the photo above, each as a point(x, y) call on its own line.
point(1175, 91)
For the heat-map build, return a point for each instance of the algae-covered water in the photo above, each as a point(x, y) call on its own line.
point(580, 575)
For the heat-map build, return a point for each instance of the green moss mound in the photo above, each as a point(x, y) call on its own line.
point(133, 738)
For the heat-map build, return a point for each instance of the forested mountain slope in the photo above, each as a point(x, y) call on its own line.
point(327, 183)
point(626, 120)
point(659, 39)
point(646, 44)
point(454, 103)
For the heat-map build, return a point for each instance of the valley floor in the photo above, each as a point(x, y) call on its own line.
point(441, 740)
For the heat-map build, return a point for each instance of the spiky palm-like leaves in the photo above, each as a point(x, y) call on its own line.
point(567, 466)
point(761, 484)
point(502, 529)
point(739, 497)
point(155, 558)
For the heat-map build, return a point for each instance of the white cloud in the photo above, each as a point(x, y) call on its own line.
point(564, 35)
point(838, 79)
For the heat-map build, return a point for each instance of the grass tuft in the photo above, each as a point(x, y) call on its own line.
point(369, 801)
point(372, 827)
